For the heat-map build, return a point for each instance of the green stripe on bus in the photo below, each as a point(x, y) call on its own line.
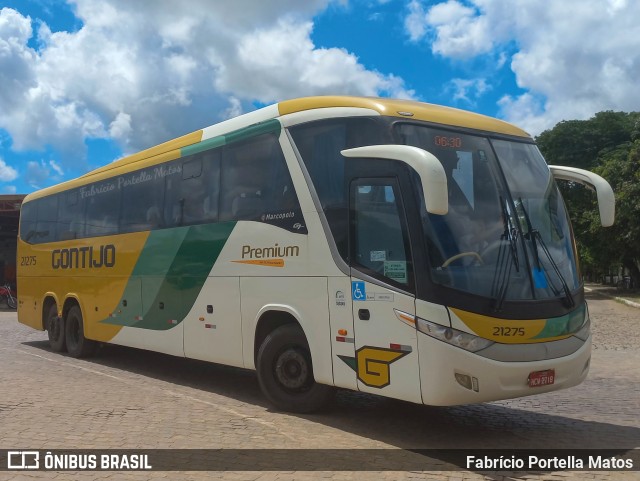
point(266, 127)
point(169, 275)
point(202, 146)
point(567, 324)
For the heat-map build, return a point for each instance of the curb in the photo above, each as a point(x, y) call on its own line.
point(619, 299)
point(627, 302)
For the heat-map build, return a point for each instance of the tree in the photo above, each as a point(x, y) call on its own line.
point(622, 169)
point(579, 143)
point(608, 144)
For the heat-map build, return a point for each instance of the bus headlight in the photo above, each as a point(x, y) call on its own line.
point(457, 338)
point(585, 330)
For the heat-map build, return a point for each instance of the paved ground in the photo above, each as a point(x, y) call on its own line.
point(126, 398)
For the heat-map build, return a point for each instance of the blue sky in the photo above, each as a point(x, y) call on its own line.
point(84, 82)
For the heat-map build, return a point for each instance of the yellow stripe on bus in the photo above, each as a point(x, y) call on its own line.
point(68, 269)
point(506, 331)
point(405, 109)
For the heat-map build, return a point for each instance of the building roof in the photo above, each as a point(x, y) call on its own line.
point(10, 203)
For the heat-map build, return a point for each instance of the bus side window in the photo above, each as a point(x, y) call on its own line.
point(244, 172)
point(319, 144)
point(142, 196)
point(211, 174)
point(28, 220)
point(103, 210)
point(191, 203)
point(70, 216)
point(326, 167)
point(380, 241)
point(256, 184)
point(192, 198)
point(47, 219)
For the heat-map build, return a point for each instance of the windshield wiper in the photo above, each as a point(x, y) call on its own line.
point(501, 277)
point(535, 237)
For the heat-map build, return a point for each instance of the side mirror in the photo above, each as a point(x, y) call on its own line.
point(606, 199)
point(429, 168)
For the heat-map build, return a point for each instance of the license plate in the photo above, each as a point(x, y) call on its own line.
point(542, 378)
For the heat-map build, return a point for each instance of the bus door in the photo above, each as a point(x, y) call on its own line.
point(382, 287)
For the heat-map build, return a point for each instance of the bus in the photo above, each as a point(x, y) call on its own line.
point(392, 247)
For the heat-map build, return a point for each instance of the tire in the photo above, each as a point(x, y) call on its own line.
point(77, 345)
point(12, 303)
point(285, 372)
point(55, 330)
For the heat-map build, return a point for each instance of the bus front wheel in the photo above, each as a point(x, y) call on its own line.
point(285, 372)
point(77, 344)
point(55, 330)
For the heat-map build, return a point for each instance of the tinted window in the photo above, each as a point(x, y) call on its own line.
point(103, 207)
point(380, 239)
point(319, 144)
point(70, 216)
point(47, 217)
point(181, 192)
point(28, 220)
point(256, 185)
point(192, 198)
point(142, 199)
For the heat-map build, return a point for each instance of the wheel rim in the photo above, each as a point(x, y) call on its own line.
point(292, 370)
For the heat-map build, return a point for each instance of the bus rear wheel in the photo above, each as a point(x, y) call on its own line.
point(77, 344)
point(55, 330)
point(285, 372)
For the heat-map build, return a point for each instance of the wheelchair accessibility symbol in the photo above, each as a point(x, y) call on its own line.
point(358, 292)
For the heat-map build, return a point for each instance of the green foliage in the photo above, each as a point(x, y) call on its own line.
point(608, 144)
point(579, 143)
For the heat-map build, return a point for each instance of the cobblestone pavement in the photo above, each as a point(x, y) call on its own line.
point(127, 398)
point(628, 297)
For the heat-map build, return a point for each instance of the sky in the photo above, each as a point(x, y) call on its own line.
point(85, 82)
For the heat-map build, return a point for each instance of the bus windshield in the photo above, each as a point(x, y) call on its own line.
point(507, 234)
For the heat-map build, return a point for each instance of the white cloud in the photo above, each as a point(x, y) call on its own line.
point(54, 165)
point(145, 74)
point(525, 110)
point(234, 109)
point(16, 65)
point(7, 173)
point(454, 29)
point(43, 172)
point(468, 90)
point(572, 58)
point(120, 127)
point(282, 62)
point(415, 22)
point(459, 33)
point(37, 173)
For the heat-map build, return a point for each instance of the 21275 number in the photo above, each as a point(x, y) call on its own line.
point(28, 261)
point(508, 331)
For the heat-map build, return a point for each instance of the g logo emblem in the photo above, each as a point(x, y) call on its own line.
point(372, 364)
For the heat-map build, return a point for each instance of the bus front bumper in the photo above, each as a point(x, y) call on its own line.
point(451, 376)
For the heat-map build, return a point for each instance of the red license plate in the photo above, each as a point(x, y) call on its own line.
point(542, 378)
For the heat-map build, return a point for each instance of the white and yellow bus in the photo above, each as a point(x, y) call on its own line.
point(393, 247)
